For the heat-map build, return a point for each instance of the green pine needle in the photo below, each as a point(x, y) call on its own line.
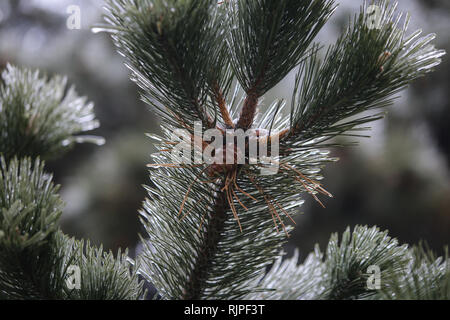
point(41, 117)
point(35, 256)
point(344, 271)
point(184, 56)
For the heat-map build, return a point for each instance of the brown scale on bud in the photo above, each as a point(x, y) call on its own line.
point(235, 158)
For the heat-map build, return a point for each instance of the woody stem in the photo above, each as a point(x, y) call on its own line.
point(248, 110)
point(194, 287)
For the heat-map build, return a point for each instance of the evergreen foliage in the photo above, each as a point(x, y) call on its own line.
point(30, 266)
point(216, 239)
point(41, 116)
point(176, 53)
point(425, 277)
point(343, 271)
point(360, 72)
point(35, 256)
point(267, 39)
point(184, 66)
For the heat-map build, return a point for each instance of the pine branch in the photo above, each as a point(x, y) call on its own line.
point(426, 277)
point(29, 267)
point(40, 116)
point(202, 254)
point(268, 39)
point(216, 225)
point(29, 203)
point(175, 50)
point(231, 219)
point(265, 43)
point(35, 255)
point(343, 271)
point(103, 275)
point(361, 72)
point(348, 262)
point(286, 280)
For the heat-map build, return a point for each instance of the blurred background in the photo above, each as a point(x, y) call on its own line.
point(398, 179)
